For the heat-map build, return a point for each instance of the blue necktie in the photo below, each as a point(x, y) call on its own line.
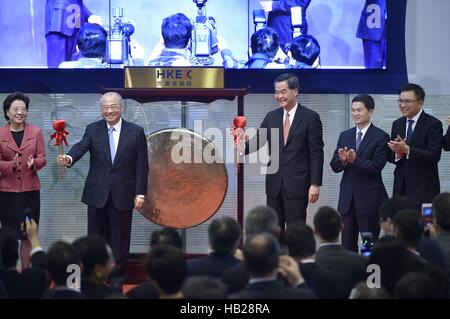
point(409, 132)
point(358, 140)
point(112, 145)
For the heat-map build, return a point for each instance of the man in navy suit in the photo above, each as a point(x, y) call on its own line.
point(117, 178)
point(446, 138)
point(372, 32)
point(294, 134)
point(361, 153)
point(416, 144)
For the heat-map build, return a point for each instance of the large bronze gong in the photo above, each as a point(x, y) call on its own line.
point(184, 190)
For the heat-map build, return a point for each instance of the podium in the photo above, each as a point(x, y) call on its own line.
point(184, 95)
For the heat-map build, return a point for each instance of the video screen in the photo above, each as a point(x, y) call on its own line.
point(246, 34)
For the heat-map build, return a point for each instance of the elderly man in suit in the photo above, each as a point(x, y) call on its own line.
point(446, 138)
point(294, 134)
point(416, 144)
point(117, 178)
point(361, 153)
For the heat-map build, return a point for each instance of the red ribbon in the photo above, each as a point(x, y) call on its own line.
point(239, 122)
point(60, 133)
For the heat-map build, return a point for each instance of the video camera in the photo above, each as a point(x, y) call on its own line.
point(118, 42)
point(204, 37)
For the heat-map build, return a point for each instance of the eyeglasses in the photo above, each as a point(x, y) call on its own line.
point(400, 101)
point(15, 111)
point(112, 107)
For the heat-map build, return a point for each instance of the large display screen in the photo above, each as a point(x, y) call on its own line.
point(338, 34)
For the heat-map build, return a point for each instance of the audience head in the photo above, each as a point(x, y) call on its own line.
point(306, 50)
point(262, 219)
point(441, 212)
point(16, 100)
point(204, 287)
point(167, 235)
point(224, 234)
point(261, 252)
point(176, 31)
point(417, 285)
point(408, 226)
point(59, 257)
point(265, 41)
point(91, 41)
point(327, 224)
point(9, 247)
point(361, 291)
point(390, 208)
point(300, 241)
point(167, 268)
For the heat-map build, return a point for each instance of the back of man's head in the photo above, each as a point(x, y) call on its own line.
point(265, 41)
point(261, 252)
point(93, 251)
point(305, 48)
point(327, 224)
point(394, 205)
point(59, 257)
point(262, 219)
point(224, 234)
point(91, 41)
point(409, 227)
point(166, 266)
point(441, 211)
point(167, 235)
point(417, 285)
point(204, 287)
point(299, 239)
point(9, 247)
point(176, 31)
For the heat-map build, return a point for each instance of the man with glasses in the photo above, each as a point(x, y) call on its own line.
point(416, 145)
point(117, 178)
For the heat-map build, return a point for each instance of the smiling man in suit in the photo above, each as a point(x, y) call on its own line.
point(361, 153)
point(117, 178)
point(416, 144)
point(294, 134)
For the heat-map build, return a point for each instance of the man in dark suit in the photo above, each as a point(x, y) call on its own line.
point(294, 133)
point(117, 178)
point(446, 138)
point(372, 32)
point(361, 153)
point(416, 144)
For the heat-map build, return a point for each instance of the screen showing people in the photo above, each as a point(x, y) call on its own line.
point(280, 34)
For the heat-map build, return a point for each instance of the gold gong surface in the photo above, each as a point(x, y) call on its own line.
point(184, 187)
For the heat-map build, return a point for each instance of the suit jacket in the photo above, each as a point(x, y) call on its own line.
point(273, 289)
point(212, 265)
point(124, 179)
point(362, 180)
point(59, 12)
point(300, 160)
point(420, 171)
point(446, 140)
point(364, 30)
point(21, 179)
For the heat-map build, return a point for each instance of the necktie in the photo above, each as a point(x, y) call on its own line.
point(409, 132)
point(286, 127)
point(112, 145)
point(358, 139)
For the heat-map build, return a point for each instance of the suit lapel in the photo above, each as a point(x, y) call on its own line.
point(420, 123)
point(27, 137)
point(122, 141)
point(350, 139)
point(365, 140)
point(105, 139)
point(298, 118)
point(7, 137)
point(279, 125)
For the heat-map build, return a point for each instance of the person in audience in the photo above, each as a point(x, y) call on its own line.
point(117, 179)
point(446, 138)
point(416, 146)
point(166, 235)
point(91, 42)
point(224, 234)
point(331, 255)
point(441, 225)
point(361, 291)
point(167, 269)
point(301, 244)
point(176, 32)
point(204, 287)
point(304, 52)
point(97, 262)
point(22, 155)
point(264, 47)
point(261, 260)
point(416, 285)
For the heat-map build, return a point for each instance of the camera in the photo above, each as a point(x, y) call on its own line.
point(367, 243)
point(118, 42)
point(427, 214)
point(204, 37)
point(296, 21)
point(259, 19)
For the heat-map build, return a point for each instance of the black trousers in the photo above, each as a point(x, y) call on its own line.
point(115, 226)
point(288, 209)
